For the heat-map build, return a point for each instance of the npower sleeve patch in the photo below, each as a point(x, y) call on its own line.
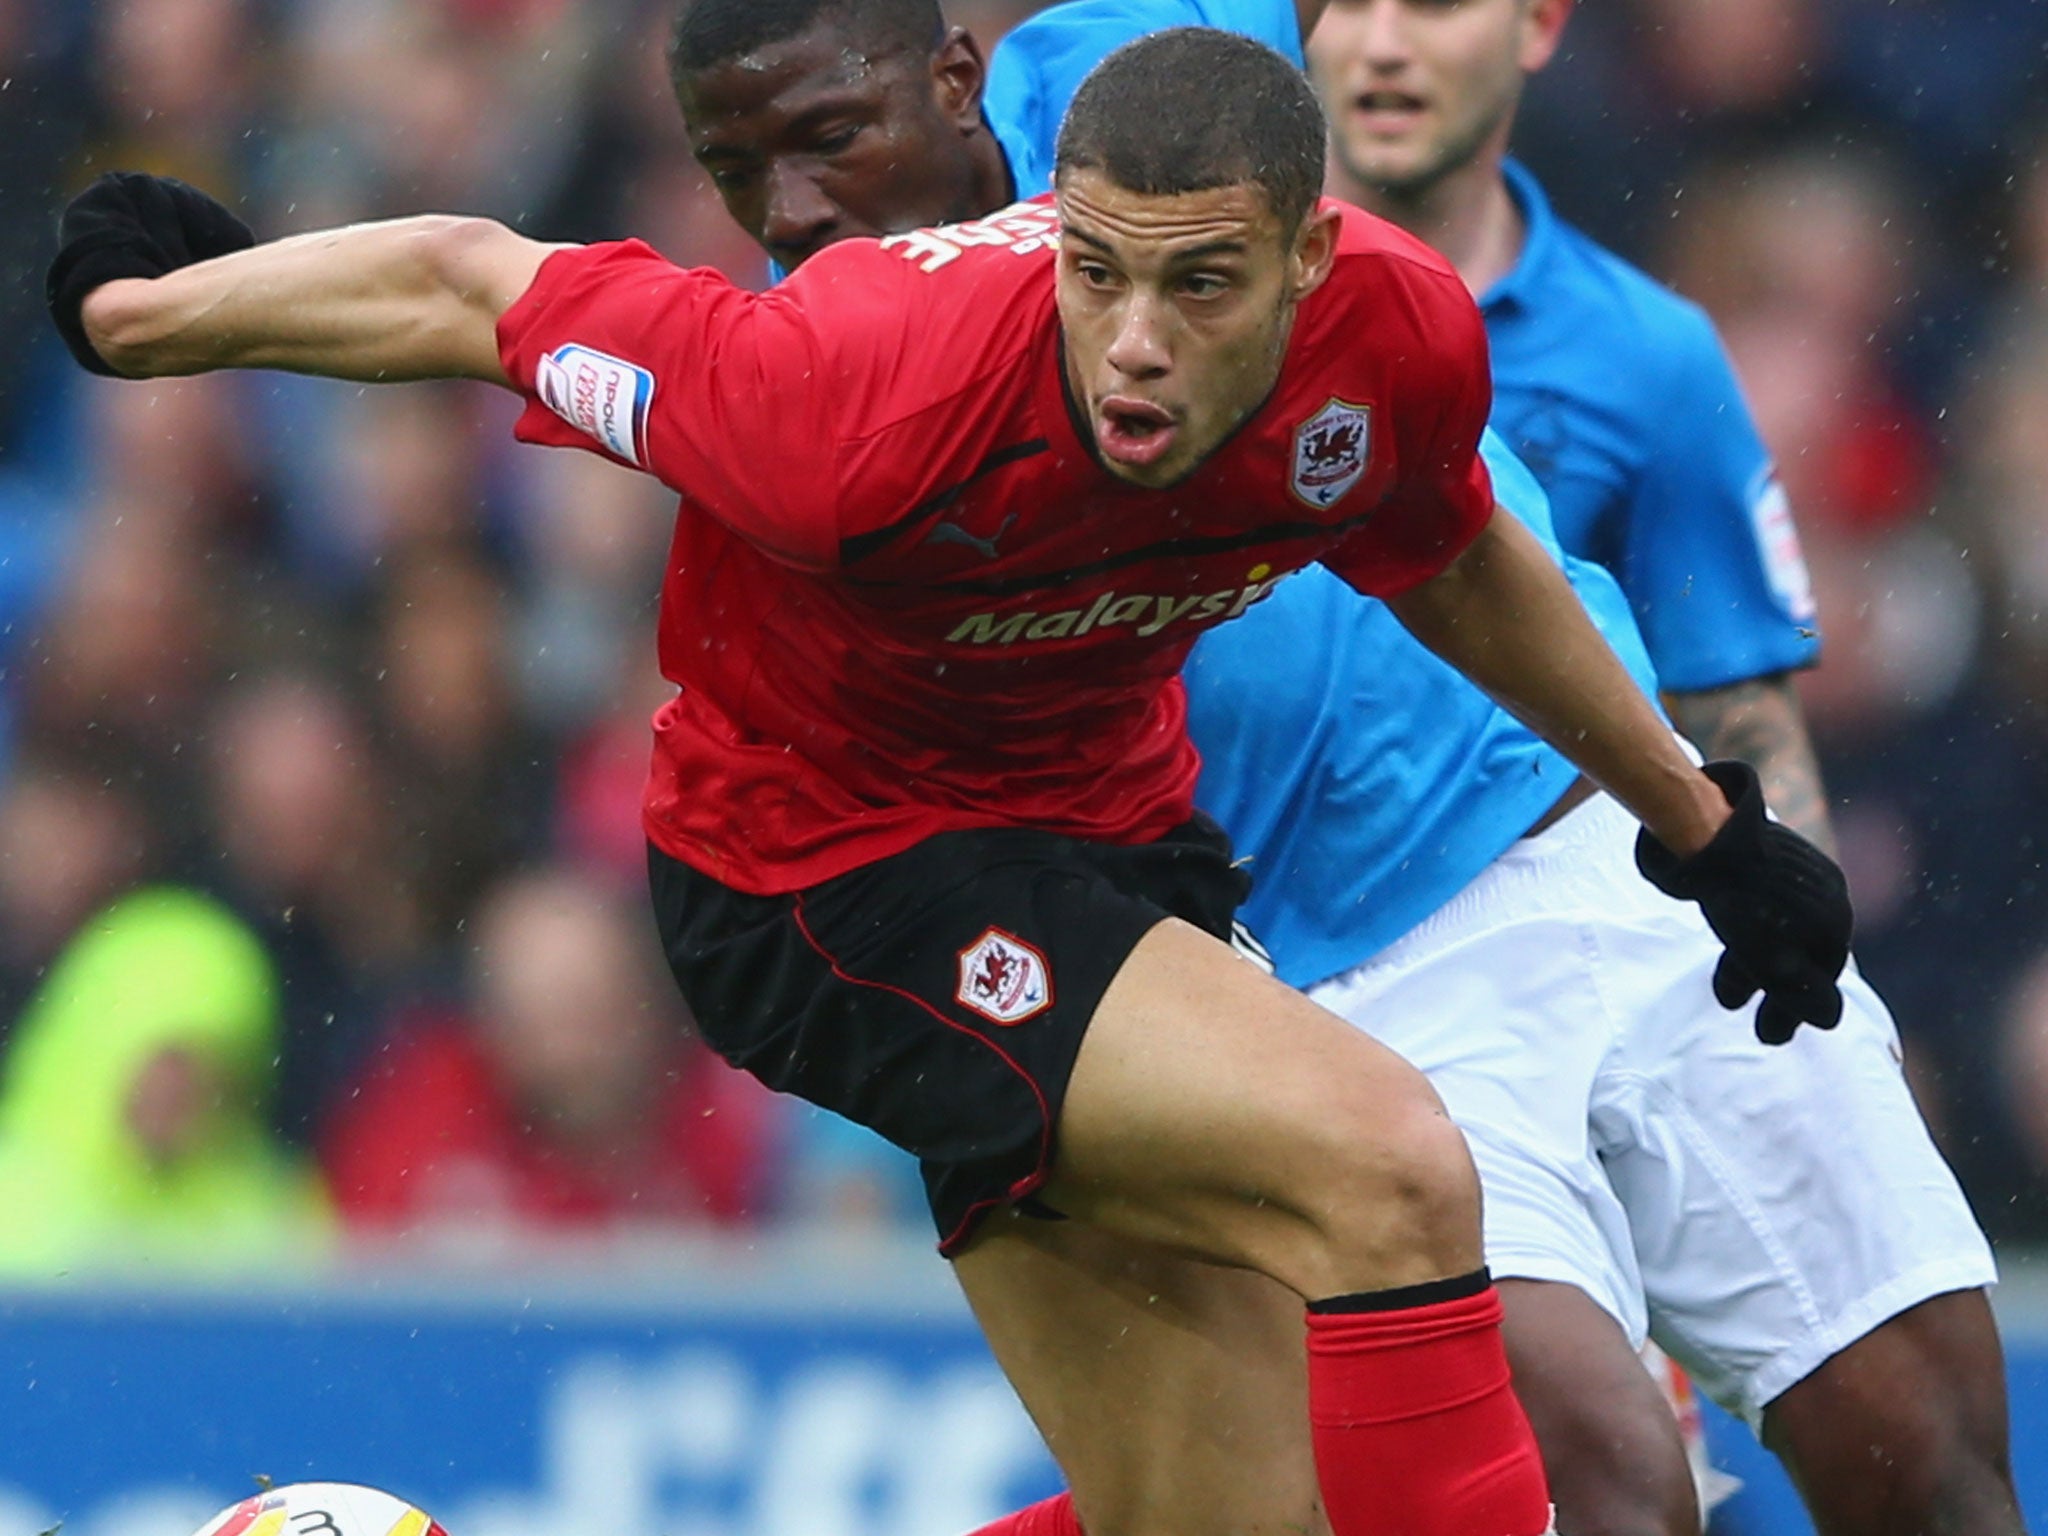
point(604, 396)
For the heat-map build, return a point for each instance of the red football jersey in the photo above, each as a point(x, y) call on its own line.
point(903, 596)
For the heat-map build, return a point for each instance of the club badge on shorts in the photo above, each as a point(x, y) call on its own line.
point(1004, 979)
point(1331, 450)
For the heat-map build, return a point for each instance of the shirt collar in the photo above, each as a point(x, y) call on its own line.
point(1539, 234)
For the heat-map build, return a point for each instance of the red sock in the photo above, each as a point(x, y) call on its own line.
point(1417, 1430)
point(1049, 1517)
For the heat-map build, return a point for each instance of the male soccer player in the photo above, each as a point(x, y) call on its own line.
point(956, 505)
point(1612, 389)
point(1840, 1310)
point(1370, 791)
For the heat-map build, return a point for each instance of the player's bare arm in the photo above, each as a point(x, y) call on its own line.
point(1504, 615)
point(1759, 720)
point(415, 298)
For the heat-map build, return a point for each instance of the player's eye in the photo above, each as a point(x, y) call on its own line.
point(1204, 285)
point(733, 178)
point(834, 140)
point(1095, 274)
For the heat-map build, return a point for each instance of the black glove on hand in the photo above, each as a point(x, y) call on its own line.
point(1778, 903)
point(130, 225)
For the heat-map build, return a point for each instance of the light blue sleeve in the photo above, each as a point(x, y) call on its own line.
point(1039, 66)
point(1707, 554)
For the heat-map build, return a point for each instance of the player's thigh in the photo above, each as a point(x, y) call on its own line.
point(1215, 1111)
point(1612, 1449)
point(1919, 1399)
point(1785, 1199)
point(1173, 1393)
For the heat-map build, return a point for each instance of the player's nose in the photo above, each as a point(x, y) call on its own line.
point(800, 219)
point(1381, 35)
point(1139, 349)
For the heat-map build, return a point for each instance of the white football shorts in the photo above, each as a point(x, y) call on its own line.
point(1765, 1206)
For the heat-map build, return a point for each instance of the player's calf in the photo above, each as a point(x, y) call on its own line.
point(1611, 1444)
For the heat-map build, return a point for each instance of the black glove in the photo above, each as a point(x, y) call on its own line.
point(130, 225)
point(1778, 903)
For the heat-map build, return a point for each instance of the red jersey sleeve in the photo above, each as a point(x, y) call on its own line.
point(724, 395)
point(1444, 495)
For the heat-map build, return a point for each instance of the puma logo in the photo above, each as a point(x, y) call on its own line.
point(953, 533)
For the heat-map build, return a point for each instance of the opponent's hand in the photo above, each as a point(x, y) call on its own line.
point(130, 225)
point(1778, 903)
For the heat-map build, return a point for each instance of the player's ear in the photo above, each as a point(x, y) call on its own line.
point(1315, 250)
point(959, 72)
point(1542, 27)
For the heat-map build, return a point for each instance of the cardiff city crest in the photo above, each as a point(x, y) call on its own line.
point(1003, 978)
point(1331, 451)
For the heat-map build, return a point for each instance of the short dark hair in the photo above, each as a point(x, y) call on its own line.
point(709, 32)
point(1193, 108)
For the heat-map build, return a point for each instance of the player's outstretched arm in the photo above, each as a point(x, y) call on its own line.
point(156, 279)
point(1505, 616)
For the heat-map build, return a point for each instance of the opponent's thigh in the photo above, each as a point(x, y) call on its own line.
point(1904, 1431)
point(1611, 1446)
point(1173, 1393)
point(1215, 1111)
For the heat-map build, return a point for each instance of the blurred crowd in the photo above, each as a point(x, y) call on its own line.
point(327, 707)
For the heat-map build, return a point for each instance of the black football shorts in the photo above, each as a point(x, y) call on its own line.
point(937, 997)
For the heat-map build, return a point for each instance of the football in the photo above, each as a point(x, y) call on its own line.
point(321, 1509)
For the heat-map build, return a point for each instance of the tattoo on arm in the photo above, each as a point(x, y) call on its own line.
point(1759, 720)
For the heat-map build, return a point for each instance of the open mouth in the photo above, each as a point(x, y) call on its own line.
point(1133, 432)
point(1387, 109)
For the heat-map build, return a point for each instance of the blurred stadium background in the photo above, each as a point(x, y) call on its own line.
point(330, 705)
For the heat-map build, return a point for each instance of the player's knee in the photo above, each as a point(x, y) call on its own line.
point(1427, 1185)
point(1397, 1189)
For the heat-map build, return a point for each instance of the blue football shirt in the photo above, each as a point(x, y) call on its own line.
point(1619, 397)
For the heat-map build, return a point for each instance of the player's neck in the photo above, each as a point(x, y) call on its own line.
point(1468, 216)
